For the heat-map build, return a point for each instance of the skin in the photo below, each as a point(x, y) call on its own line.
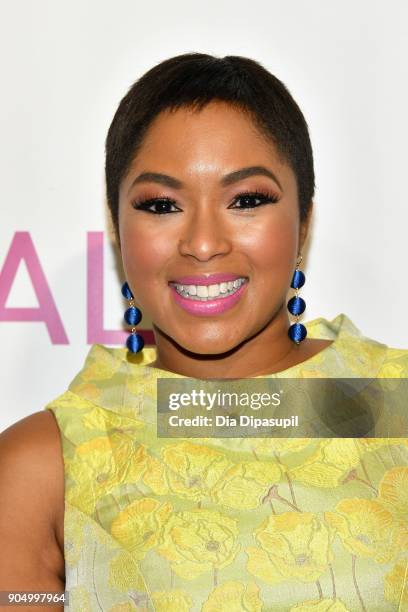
point(207, 236)
point(32, 507)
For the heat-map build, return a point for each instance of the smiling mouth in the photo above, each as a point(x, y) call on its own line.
point(205, 293)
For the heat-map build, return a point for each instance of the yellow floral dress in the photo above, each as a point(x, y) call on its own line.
point(189, 525)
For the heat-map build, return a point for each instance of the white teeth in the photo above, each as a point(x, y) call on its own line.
point(202, 291)
point(213, 290)
point(205, 292)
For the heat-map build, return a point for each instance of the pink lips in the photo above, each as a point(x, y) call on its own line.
point(209, 307)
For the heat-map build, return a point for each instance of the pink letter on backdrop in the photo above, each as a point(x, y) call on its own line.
point(22, 247)
point(95, 303)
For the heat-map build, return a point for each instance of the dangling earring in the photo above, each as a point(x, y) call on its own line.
point(132, 316)
point(296, 305)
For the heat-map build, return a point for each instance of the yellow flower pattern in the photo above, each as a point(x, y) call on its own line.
point(171, 601)
point(236, 596)
point(292, 546)
point(393, 491)
point(246, 484)
point(187, 470)
point(139, 526)
point(395, 584)
point(230, 525)
point(330, 463)
point(199, 541)
point(365, 528)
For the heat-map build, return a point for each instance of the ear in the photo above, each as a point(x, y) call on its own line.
point(304, 227)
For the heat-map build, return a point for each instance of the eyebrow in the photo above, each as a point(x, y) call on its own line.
point(228, 179)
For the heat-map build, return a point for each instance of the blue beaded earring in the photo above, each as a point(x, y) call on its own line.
point(133, 316)
point(296, 305)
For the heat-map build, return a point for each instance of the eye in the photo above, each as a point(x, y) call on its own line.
point(163, 206)
point(252, 199)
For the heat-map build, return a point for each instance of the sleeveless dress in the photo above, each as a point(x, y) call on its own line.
point(189, 525)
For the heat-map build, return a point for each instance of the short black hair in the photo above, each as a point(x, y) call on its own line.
point(193, 80)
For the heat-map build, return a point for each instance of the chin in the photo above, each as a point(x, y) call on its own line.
point(214, 340)
point(208, 346)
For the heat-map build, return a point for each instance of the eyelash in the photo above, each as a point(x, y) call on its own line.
point(265, 197)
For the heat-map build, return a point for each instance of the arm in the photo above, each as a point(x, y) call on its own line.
point(32, 507)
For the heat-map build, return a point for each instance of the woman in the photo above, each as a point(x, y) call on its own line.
point(210, 183)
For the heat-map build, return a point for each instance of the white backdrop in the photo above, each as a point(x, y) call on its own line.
point(64, 68)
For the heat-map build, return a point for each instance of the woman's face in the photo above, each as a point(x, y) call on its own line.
point(229, 208)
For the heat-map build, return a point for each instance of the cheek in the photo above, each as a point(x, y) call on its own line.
point(271, 246)
point(144, 255)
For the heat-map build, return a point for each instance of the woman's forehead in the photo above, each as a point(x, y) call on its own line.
point(214, 141)
point(216, 120)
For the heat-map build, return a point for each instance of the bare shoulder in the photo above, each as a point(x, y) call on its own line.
point(32, 504)
point(31, 455)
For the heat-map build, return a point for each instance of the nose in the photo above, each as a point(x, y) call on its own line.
point(205, 236)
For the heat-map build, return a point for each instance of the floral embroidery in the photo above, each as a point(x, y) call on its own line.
point(199, 541)
point(140, 525)
point(293, 545)
point(365, 528)
point(234, 595)
point(222, 525)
